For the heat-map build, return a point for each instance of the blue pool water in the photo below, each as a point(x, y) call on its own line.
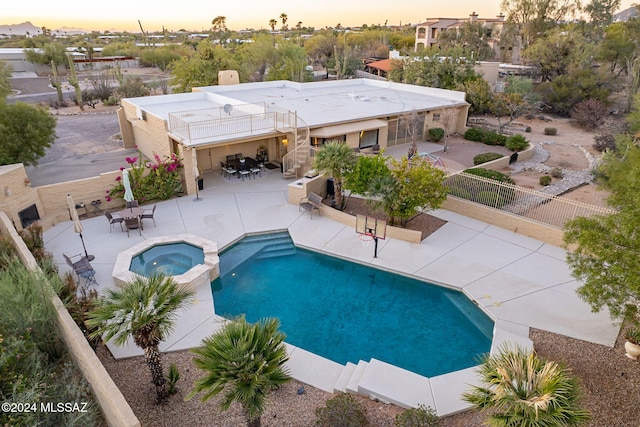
point(348, 312)
point(171, 259)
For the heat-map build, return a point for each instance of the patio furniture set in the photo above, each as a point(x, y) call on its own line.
point(131, 217)
point(241, 167)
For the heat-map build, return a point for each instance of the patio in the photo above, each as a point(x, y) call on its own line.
point(519, 281)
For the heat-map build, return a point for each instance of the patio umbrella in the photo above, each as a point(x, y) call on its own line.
point(77, 225)
point(128, 193)
point(196, 173)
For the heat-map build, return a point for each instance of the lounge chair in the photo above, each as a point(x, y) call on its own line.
point(82, 268)
point(149, 214)
point(113, 220)
point(310, 203)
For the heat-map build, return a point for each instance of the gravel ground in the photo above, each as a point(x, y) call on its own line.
point(610, 384)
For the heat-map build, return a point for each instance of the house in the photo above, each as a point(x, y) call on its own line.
point(285, 120)
point(427, 34)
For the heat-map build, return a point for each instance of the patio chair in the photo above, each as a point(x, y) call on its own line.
point(132, 204)
point(239, 156)
point(310, 203)
point(133, 224)
point(148, 215)
point(113, 220)
point(82, 268)
point(255, 170)
point(245, 172)
point(230, 171)
point(230, 157)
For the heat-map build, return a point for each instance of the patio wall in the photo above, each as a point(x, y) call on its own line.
point(115, 409)
point(504, 220)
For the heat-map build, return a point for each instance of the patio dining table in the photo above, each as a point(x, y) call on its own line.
point(245, 163)
point(130, 212)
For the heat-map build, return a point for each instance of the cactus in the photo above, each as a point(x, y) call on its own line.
point(73, 80)
point(55, 82)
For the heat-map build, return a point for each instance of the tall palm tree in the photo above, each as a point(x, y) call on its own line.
point(337, 158)
point(272, 24)
point(145, 309)
point(520, 389)
point(283, 18)
point(244, 361)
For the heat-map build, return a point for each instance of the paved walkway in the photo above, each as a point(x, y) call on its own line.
point(521, 282)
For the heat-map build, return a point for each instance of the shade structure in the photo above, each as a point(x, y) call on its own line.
point(75, 219)
point(126, 183)
point(196, 173)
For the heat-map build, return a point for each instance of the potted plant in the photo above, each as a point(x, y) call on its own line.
point(632, 346)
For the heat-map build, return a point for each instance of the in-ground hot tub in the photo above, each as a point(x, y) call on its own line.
point(191, 260)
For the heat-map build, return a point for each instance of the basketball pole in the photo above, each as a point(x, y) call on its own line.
point(375, 247)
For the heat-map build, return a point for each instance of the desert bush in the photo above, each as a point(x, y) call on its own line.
point(486, 157)
point(604, 141)
point(112, 101)
point(473, 134)
point(436, 134)
point(590, 113)
point(422, 416)
point(528, 129)
point(90, 98)
point(342, 410)
point(516, 143)
point(556, 173)
point(132, 88)
point(172, 379)
point(463, 193)
point(550, 131)
point(490, 174)
point(545, 180)
point(485, 136)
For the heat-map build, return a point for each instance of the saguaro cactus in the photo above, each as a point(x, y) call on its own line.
point(73, 80)
point(55, 81)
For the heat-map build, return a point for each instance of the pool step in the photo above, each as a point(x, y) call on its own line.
point(252, 247)
point(276, 249)
point(345, 376)
point(353, 385)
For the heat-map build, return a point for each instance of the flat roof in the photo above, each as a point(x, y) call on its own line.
point(317, 103)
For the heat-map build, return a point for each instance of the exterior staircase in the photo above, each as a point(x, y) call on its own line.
point(299, 158)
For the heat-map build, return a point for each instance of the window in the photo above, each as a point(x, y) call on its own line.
point(436, 117)
point(319, 142)
point(368, 138)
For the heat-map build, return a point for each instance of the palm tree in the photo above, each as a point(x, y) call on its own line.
point(337, 158)
point(272, 24)
point(520, 389)
point(145, 309)
point(244, 361)
point(283, 18)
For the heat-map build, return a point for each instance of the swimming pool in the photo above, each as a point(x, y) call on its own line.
point(348, 312)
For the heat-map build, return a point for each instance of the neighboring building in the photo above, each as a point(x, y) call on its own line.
point(284, 120)
point(427, 34)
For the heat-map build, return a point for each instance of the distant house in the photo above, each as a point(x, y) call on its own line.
point(282, 120)
point(427, 34)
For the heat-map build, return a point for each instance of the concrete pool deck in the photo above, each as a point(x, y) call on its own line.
point(519, 281)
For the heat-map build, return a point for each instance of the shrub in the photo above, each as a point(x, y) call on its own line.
point(490, 198)
point(422, 416)
point(589, 113)
point(516, 143)
point(545, 180)
point(528, 129)
point(486, 157)
point(473, 134)
point(172, 379)
point(460, 192)
point(490, 174)
point(342, 410)
point(556, 173)
point(436, 134)
point(605, 141)
point(550, 131)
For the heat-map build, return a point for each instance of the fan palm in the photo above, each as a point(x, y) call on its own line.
point(145, 309)
point(337, 158)
point(244, 361)
point(519, 389)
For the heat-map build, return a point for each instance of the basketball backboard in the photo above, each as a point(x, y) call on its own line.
point(377, 228)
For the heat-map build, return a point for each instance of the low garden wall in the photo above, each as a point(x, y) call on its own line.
point(115, 409)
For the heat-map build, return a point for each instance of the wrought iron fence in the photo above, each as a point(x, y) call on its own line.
point(553, 211)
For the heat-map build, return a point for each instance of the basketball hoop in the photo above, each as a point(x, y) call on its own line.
point(365, 239)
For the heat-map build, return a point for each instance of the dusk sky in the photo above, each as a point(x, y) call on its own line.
point(195, 15)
